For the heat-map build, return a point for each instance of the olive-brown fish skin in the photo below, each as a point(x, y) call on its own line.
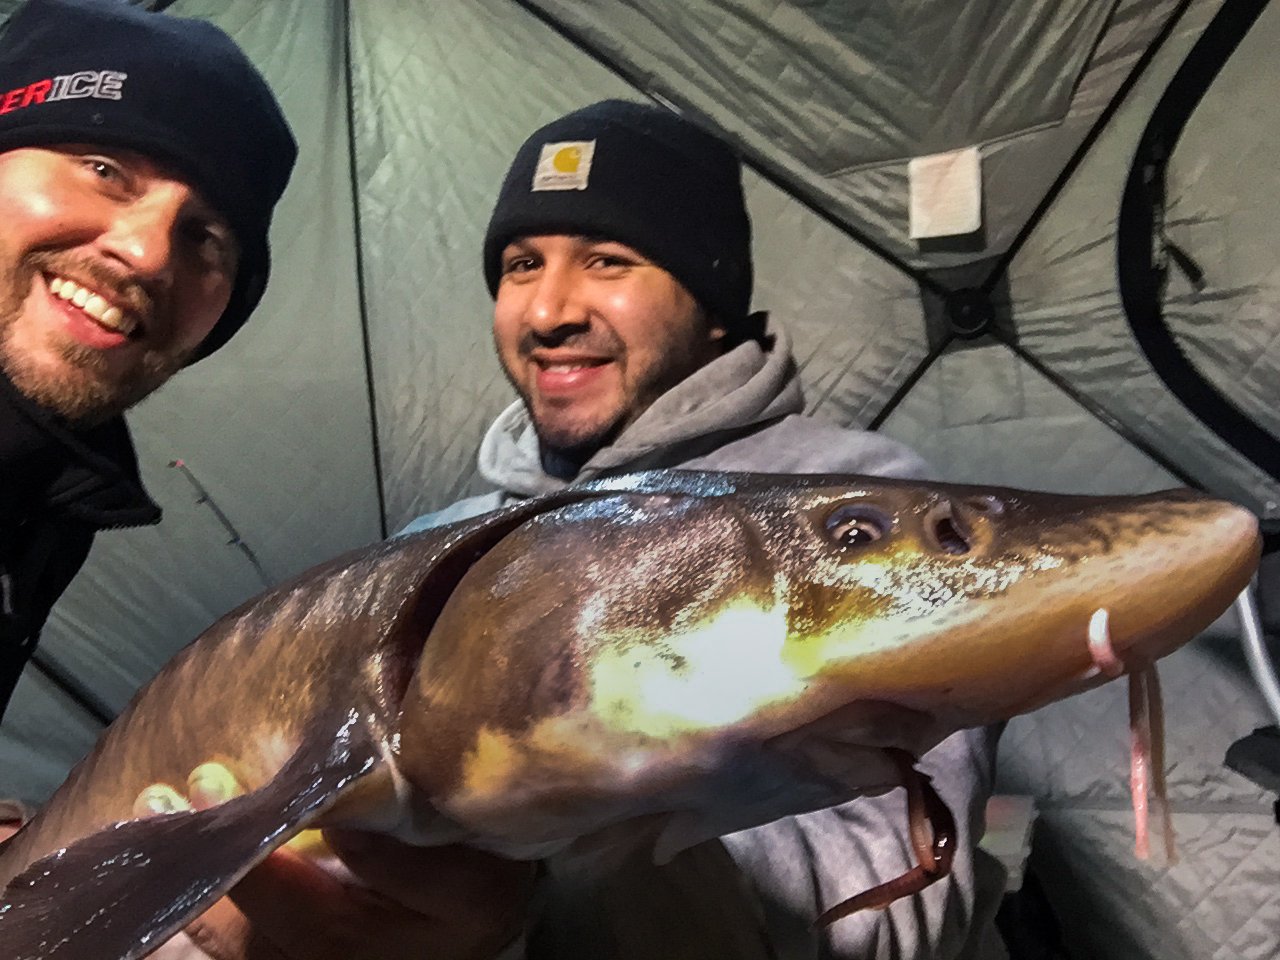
point(968, 606)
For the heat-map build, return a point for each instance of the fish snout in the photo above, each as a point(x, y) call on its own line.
point(1172, 563)
point(1231, 537)
point(1197, 528)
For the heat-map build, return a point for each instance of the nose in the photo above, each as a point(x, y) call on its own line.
point(141, 235)
point(555, 306)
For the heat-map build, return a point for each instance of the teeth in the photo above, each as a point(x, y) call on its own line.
point(95, 305)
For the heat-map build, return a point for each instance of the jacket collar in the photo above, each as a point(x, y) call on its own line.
point(48, 467)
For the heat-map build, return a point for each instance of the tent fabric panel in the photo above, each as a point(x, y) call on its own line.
point(927, 75)
point(856, 323)
point(1067, 309)
point(1075, 753)
point(1218, 216)
point(44, 733)
point(1220, 900)
point(296, 375)
point(838, 96)
point(275, 425)
point(420, 98)
point(980, 414)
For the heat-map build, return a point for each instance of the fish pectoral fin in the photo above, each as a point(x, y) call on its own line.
point(124, 891)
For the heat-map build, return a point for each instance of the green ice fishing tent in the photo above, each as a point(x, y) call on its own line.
point(1035, 240)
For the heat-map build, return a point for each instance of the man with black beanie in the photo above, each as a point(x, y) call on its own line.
point(141, 157)
point(619, 258)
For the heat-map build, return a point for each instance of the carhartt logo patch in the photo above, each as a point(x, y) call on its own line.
point(564, 166)
point(98, 84)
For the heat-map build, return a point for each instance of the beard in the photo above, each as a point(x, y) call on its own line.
point(565, 452)
point(567, 443)
point(83, 388)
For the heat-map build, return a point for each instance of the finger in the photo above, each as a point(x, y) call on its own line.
point(224, 933)
point(211, 784)
point(159, 798)
point(454, 883)
point(309, 914)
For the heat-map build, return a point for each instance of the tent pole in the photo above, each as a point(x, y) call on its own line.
point(1255, 651)
point(912, 379)
point(1082, 151)
point(361, 291)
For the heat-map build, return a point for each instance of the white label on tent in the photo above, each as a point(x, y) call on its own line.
point(564, 166)
point(946, 194)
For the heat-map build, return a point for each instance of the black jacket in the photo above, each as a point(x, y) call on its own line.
point(58, 487)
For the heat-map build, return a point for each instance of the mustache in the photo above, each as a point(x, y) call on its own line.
point(593, 340)
point(118, 287)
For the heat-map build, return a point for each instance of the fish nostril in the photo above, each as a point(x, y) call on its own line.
point(947, 531)
point(950, 538)
point(987, 504)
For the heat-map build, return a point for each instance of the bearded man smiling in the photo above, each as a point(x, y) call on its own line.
point(133, 241)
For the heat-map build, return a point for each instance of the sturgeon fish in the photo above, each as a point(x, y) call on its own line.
point(668, 656)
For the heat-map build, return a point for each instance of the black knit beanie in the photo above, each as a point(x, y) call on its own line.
point(642, 176)
point(176, 89)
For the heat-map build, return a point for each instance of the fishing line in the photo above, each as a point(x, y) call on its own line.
point(202, 496)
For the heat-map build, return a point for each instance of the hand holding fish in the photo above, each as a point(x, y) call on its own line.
point(377, 898)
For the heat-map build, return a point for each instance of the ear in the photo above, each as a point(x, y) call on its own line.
point(717, 331)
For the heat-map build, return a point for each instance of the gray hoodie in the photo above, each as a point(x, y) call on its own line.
point(743, 411)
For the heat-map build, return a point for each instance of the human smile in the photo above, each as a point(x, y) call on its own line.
point(93, 304)
point(559, 374)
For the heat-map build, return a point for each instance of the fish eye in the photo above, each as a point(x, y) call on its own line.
point(853, 525)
